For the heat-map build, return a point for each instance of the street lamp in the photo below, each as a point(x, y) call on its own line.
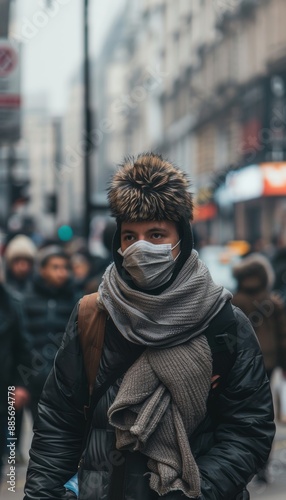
point(87, 124)
point(87, 120)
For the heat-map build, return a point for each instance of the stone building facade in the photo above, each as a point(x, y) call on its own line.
point(203, 82)
point(216, 106)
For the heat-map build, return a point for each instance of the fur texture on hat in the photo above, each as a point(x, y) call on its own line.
point(147, 187)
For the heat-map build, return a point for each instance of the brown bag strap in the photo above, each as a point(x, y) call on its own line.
point(91, 328)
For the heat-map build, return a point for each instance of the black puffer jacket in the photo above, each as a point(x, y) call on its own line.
point(230, 445)
point(46, 310)
point(14, 345)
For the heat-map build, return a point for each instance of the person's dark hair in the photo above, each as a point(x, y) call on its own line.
point(47, 253)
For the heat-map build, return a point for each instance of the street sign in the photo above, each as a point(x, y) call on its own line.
point(9, 91)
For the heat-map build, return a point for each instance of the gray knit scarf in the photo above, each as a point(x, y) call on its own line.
point(160, 402)
point(179, 313)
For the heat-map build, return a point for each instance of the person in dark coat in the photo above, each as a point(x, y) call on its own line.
point(102, 263)
point(161, 304)
point(264, 309)
point(14, 354)
point(47, 307)
point(82, 271)
point(278, 262)
point(19, 257)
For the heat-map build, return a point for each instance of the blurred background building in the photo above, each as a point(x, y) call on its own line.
point(203, 82)
point(40, 144)
point(69, 165)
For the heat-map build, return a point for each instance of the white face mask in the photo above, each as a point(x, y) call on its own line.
point(149, 265)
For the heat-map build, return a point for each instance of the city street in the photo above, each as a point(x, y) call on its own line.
point(275, 490)
point(143, 177)
point(5, 494)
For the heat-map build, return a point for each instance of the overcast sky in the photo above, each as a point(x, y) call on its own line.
point(52, 42)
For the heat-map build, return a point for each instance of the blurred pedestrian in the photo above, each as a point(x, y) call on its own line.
point(83, 271)
point(255, 278)
point(19, 258)
point(14, 353)
point(47, 307)
point(174, 344)
point(101, 263)
point(279, 264)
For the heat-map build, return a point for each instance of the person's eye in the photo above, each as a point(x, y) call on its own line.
point(157, 236)
point(128, 237)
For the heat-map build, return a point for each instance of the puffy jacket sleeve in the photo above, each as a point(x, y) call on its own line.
point(59, 427)
point(244, 428)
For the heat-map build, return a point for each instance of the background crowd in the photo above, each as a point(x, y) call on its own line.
point(39, 286)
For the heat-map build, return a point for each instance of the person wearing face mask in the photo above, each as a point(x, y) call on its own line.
point(181, 406)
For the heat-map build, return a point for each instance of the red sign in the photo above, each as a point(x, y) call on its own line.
point(10, 100)
point(274, 179)
point(205, 212)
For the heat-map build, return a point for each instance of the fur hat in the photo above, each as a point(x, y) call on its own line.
point(147, 187)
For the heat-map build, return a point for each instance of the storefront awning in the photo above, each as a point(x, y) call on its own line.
point(252, 182)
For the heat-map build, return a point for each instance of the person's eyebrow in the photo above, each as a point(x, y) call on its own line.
point(127, 231)
point(151, 230)
point(157, 229)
